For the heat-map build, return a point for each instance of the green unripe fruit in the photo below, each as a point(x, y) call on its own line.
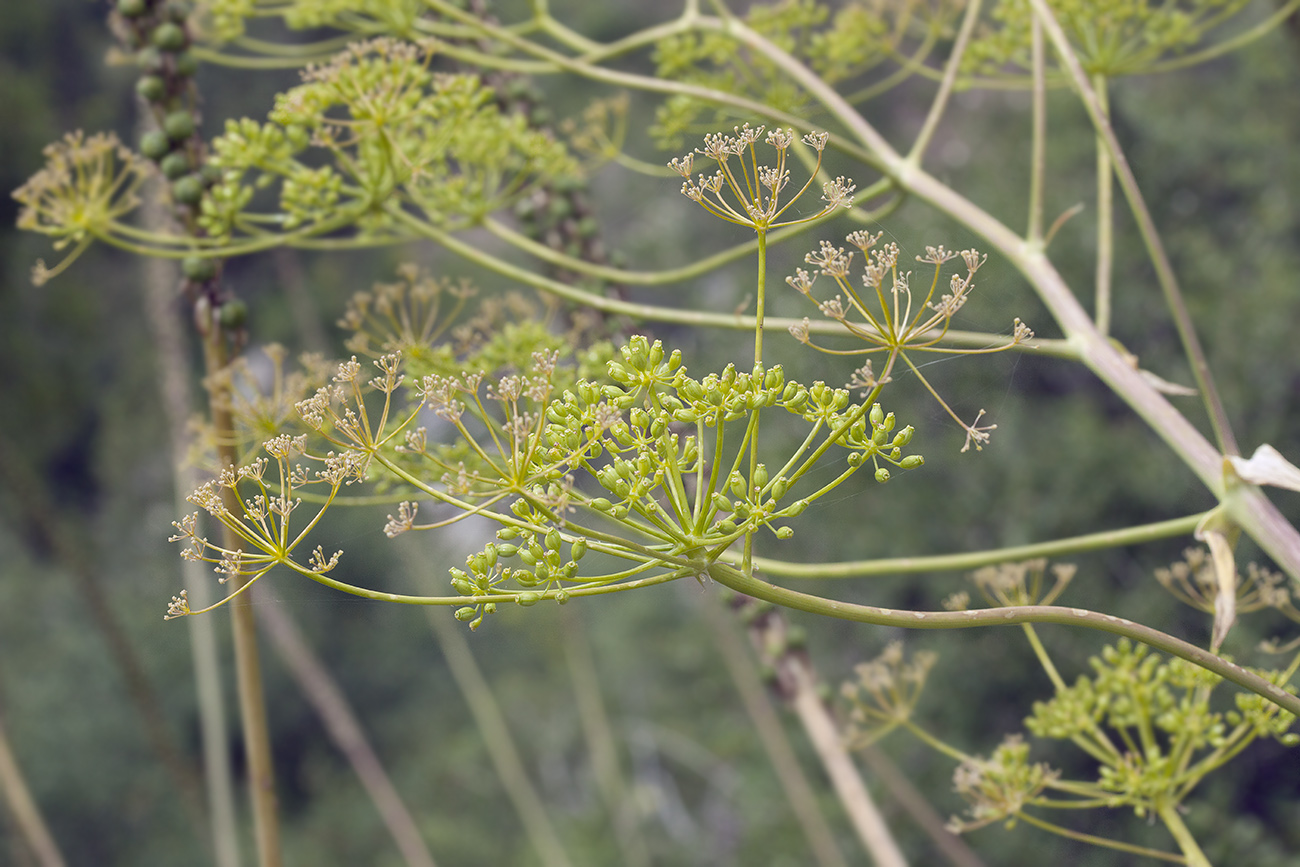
point(179, 10)
point(151, 87)
point(882, 475)
point(527, 599)
point(179, 125)
point(877, 415)
point(210, 173)
point(175, 165)
point(186, 63)
point(198, 269)
point(131, 8)
point(507, 533)
point(911, 462)
point(155, 144)
point(466, 613)
point(508, 550)
point(579, 549)
point(784, 532)
point(233, 314)
point(188, 190)
point(170, 37)
point(149, 58)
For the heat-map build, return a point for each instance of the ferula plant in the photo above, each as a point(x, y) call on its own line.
point(574, 429)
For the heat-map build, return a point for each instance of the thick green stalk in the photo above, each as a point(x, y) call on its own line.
point(1186, 842)
point(737, 580)
point(976, 559)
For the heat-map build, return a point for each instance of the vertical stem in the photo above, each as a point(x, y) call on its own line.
point(767, 725)
point(1227, 441)
point(600, 738)
point(1186, 842)
point(748, 555)
point(174, 372)
point(1038, 142)
point(324, 694)
point(26, 814)
point(248, 670)
point(940, 103)
point(1043, 659)
point(1105, 212)
point(501, 750)
point(760, 294)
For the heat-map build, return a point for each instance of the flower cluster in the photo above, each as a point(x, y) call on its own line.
point(749, 194)
point(87, 184)
point(889, 318)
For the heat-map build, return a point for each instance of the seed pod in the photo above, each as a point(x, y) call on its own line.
point(784, 532)
point(911, 462)
point(579, 549)
point(155, 144)
point(466, 613)
point(528, 599)
point(553, 539)
point(151, 88)
point(175, 165)
point(198, 269)
point(179, 125)
point(188, 190)
point(877, 415)
point(882, 475)
point(186, 64)
point(507, 533)
point(233, 314)
point(508, 550)
point(170, 37)
point(131, 8)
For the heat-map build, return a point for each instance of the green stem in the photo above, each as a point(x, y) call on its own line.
point(1093, 840)
point(940, 103)
point(731, 577)
point(1186, 842)
point(252, 697)
point(1043, 659)
point(975, 559)
point(1146, 227)
point(1038, 146)
point(1105, 214)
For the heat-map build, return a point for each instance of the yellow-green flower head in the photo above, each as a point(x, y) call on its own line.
point(85, 186)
